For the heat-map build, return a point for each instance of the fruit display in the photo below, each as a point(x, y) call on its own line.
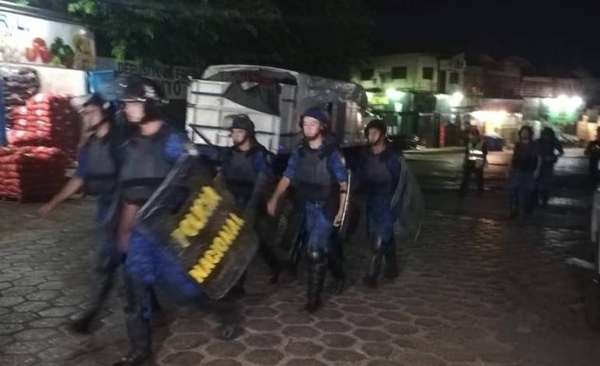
point(32, 172)
point(62, 55)
point(9, 54)
point(84, 55)
point(47, 120)
point(20, 84)
point(38, 49)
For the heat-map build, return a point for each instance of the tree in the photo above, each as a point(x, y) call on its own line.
point(315, 36)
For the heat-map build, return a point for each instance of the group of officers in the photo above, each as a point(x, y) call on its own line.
point(531, 171)
point(124, 172)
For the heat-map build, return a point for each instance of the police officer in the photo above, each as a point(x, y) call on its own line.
point(592, 152)
point(549, 146)
point(475, 161)
point(316, 170)
point(97, 172)
point(379, 172)
point(149, 156)
point(525, 169)
point(241, 168)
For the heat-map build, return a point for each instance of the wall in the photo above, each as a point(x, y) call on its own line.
point(382, 67)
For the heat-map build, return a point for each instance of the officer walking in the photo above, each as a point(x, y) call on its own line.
point(379, 173)
point(97, 172)
point(475, 161)
point(592, 152)
point(549, 146)
point(149, 156)
point(524, 171)
point(241, 168)
point(316, 170)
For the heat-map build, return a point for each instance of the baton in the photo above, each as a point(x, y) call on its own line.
point(208, 142)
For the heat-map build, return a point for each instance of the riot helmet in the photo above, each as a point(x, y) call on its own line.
point(107, 110)
point(377, 124)
point(244, 123)
point(318, 114)
point(137, 89)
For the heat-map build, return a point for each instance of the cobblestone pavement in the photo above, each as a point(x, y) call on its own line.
point(475, 290)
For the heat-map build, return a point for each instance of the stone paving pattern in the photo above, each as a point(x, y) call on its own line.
point(476, 289)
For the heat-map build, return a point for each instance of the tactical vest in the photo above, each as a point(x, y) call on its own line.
point(145, 166)
point(313, 180)
point(375, 174)
point(475, 152)
point(102, 166)
point(239, 172)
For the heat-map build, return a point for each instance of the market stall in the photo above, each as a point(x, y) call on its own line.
point(42, 66)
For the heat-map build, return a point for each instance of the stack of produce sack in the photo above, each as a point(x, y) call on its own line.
point(47, 120)
point(20, 84)
point(31, 173)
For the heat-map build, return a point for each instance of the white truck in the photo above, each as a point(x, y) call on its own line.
point(274, 99)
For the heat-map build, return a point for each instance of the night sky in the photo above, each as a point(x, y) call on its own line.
point(548, 33)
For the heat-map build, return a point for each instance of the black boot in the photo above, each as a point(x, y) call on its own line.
point(103, 283)
point(529, 204)
point(140, 337)
point(374, 263)
point(138, 327)
point(513, 203)
point(391, 262)
point(270, 258)
point(334, 264)
point(238, 291)
point(545, 198)
point(295, 254)
point(316, 279)
point(229, 317)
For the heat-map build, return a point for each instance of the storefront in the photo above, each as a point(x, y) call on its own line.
point(43, 63)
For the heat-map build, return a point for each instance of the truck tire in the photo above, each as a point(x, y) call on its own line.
point(592, 304)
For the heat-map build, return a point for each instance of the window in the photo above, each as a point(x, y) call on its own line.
point(399, 72)
point(453, 78)
point(367, 74)
point(428, 73)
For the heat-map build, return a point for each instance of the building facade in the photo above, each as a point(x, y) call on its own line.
point(426, 92)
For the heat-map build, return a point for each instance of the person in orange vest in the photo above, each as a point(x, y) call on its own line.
point(475, 161)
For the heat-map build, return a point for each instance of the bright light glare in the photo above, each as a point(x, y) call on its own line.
point(575, 102)
point(456, 98)
point(564, 102)
point(495, 117)
point(394, 94)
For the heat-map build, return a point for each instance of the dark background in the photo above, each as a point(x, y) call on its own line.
point(553, 33)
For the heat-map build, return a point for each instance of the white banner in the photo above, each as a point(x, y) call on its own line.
point(174, 79)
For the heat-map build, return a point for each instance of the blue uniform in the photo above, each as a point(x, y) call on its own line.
point(103, 202)
point(379, 175)
point(98, 168)
point(317, 212)
point(524, 163)
point(146, 260)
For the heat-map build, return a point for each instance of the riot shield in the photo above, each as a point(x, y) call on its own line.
point(409, 204)
point(199, 225)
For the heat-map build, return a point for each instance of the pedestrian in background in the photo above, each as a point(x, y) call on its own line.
point(592, 151)
point(549, 146)
point(525, 169)
point(475, 161)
